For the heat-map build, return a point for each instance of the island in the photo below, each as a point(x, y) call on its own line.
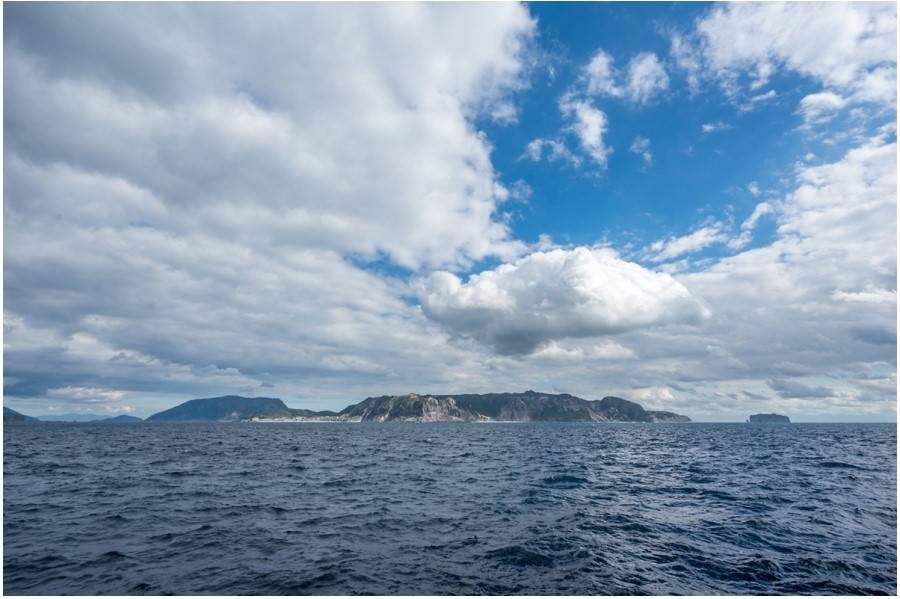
point(10, 416)
point(228, 408)
point(120, 419)
point(528, 406)
point(769, 419)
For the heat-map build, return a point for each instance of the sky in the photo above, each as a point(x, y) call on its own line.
point(692, 206)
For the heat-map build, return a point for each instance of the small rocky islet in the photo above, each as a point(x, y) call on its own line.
point(768, 419)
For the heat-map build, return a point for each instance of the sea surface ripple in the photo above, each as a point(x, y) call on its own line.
point(422, 509)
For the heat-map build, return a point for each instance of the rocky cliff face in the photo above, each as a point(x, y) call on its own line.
point(516, 407)
point(410, 407)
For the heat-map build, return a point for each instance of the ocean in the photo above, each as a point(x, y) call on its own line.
point(450, 508)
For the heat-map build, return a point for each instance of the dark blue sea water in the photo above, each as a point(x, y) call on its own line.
point(450, 508)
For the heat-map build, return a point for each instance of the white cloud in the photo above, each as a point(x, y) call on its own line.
point(763, 97)
point(848, 201)
point(848, 47)
point(589, 124)
point(607, 350)
point(673, 247)
point(746, 234)
point(520, 191)
point(653, 396)
point(761, 209)
point(559, 294)
point(641, 147)
point(867, 296)
point(551, 150)
point(322, 158)
point(836, 43)
point(601, 75)
point(820, 107)
point(505, 113)
point(646, 78)
point(754, 101)
point(878, 85)
point(87, 394)
point(753, 188)
point(688, 59)
point(714, 127)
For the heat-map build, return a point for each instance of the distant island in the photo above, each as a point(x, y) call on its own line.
point(769, 418)
point(10, 416)
point(530, 406)
point(121, 419)
point(229, 408)
point(490, 407)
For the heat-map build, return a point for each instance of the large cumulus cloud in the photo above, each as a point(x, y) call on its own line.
point(557, 294)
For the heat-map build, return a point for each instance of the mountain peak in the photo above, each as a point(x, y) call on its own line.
point(223, 408)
